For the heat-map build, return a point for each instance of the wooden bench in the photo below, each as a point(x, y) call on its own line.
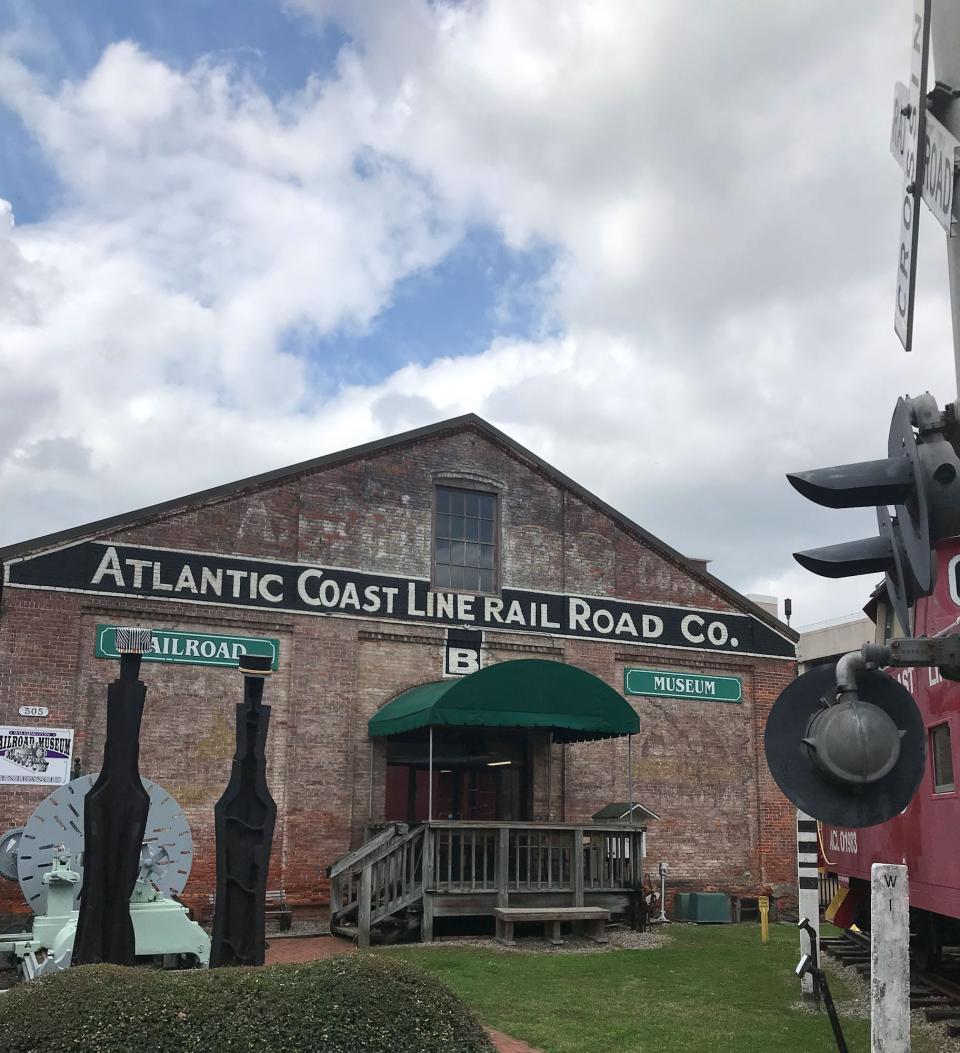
point(275, 903)
point(594, 917)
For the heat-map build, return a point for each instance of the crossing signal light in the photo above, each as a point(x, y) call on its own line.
point(848, 758)
point(919, 479)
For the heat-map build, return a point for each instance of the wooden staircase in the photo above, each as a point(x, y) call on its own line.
point(380, 879)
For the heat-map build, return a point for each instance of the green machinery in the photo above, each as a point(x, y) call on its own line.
point(46, 857)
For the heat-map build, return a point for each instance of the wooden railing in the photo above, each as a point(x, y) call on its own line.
point(345, 874)
point(534, 857)
point(398, 870)
point(395, 877)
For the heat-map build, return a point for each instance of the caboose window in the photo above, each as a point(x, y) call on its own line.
point(940, 750)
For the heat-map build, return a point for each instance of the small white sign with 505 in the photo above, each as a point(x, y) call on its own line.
point(34, 711)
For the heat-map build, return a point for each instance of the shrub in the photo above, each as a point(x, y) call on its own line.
point(345, 1004)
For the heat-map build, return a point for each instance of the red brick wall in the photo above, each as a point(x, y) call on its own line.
point(699, 765)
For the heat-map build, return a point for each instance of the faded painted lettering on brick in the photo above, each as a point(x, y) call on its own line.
point(186, 648)
point(103, 568)
point(697, 686)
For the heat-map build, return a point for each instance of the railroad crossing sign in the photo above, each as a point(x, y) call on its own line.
point(915, 114)
point(940, 159)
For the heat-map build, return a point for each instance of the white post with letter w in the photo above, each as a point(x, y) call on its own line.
point(889, 959)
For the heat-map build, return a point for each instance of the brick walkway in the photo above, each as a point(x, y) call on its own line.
point(307, 949)
point(310, 949)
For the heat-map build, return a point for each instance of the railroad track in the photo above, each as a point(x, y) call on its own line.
point(936, 994)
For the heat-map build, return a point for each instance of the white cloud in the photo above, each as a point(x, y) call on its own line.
point(715, 184)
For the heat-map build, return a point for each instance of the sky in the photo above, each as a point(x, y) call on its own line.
point(653, 242)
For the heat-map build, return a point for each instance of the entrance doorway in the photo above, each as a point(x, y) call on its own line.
point(478, 773)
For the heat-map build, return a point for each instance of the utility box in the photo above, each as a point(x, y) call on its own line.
point(710, 908)
point(681, 906)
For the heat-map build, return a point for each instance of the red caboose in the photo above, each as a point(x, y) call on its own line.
point(926, 835)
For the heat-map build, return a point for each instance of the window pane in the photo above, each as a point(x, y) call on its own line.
point(942, 759)
point(465, 555)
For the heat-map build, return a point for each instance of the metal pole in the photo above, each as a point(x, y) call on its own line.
point(549, 777)
point(945, 45)
point(430, 780)
point(370, 795)
point(824, 989)
point(808, 893)
point(630, 773)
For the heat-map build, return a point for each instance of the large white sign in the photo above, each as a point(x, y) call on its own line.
point(114, 569)
point(35, 756)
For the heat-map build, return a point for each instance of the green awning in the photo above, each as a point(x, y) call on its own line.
point(528, 693)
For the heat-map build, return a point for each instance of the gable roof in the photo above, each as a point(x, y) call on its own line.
point(468, 421)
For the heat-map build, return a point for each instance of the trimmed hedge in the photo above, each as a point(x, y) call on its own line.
point(346, 1004)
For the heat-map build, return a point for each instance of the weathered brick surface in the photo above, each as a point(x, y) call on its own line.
point(699, 765)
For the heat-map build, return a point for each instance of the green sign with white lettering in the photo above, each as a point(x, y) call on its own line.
point(662, 683)
point(191, 648)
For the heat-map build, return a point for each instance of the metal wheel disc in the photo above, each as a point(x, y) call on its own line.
point(8, 853)
point(166, 856)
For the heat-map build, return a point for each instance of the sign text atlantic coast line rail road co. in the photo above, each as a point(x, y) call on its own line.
point(103, 568)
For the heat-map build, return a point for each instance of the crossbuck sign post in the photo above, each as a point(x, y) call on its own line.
point(914, 149)
point(945, 43)
point(929, 161)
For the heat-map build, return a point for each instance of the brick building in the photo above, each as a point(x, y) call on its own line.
point(385, 567)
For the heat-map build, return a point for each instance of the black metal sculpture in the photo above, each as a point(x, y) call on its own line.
point(115, 817)
point(245, 816)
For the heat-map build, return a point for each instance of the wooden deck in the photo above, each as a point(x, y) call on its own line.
point(464, 869)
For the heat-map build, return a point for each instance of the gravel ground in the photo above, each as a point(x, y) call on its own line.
point(858, 1004)
point(619, 939)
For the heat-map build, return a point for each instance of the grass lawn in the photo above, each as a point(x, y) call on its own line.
point(713, 988)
